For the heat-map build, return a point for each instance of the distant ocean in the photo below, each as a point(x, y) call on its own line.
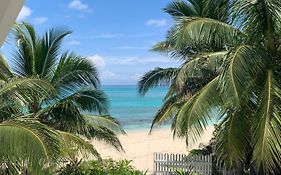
point(132, 110)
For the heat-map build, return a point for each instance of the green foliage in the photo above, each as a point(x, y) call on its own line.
point(44, 97)
point(179, 172)
point(76, 83)
point(189, 171)
point(29, 143)
point(230, 74)
point(104, 167)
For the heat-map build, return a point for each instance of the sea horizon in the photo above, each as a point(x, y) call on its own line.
point(134, 112)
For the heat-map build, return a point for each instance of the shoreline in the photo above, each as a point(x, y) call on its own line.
point(146, 129)
point(140, 146)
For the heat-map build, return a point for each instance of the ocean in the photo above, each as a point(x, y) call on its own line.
point(132, 110)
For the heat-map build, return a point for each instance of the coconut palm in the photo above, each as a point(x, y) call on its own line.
point(19, 131)
point(61, 88)
point(75, 79)
point(230, 76)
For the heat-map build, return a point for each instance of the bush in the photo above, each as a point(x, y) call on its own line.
point(105, 167)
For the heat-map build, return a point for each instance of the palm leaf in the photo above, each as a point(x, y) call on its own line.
point(90, 99)
point(168, 111)
point(240, 68)
point(30, 142)
point(104, 135)
point(74, 71)
point(48, 51)
point(64, 116)
point(182, 8)
point(104, 129)
point(156, 77)
point(5, 71)
point(232, 139)
point(215, 9)
point(73, 145)
point(105, 121)
point(197, 112)
point(24, 57)
point(195, 66)
point(23, 89)
point(203, 33)
point(267, 127)
point(261, 19)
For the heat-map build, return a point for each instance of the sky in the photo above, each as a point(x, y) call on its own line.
point(116, 35)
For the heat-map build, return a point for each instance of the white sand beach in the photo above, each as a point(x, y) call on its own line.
point(140, 146)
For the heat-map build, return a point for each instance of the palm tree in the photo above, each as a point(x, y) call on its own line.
point(63, 88)
point(74, 78)
point(231, 76)
point(18, 131)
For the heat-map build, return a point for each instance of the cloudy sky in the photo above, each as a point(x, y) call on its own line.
point(115, 35)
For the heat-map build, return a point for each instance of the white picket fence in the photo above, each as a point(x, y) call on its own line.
point(166, 164)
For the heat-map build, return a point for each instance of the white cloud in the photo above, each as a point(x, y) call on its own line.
point(108, 75)
point(101, 61)
point(140, 60)
point(127, 69)
point(157, 22)
point(109, 36)
point(97, 60)
point(40, 20)
point(118, 35)
point(132, 48)
point(136, 76)
point(78, 5)
point(24, 13)
point(73, 42)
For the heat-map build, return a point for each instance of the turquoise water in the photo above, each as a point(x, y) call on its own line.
point(132, 110)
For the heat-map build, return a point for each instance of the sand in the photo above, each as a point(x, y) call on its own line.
point(140, 146)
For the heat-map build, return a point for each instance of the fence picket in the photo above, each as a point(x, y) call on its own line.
point(167, 163)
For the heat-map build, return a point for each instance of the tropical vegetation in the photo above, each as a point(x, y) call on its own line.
point(45, 97)
point(105, 167)
point(230, 56)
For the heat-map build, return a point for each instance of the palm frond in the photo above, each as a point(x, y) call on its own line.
point(182, 8)
point(203, 33)
point(23, 88)
point(232, 139)
point(36, 55)
point(74, 71)
point(267, 127)
point(64, 116)
point(167, 47)
point(196, 66)
point(10, 108)
point(156, 77)
point(197, 112)
point(215, 9)
point(91, 100)
point(67, 118)
point(5, 70)
point(163, 47)
point(24, 56)
point(48, 51)
point(29, 142)
point(73, 145)
point(168, 110)
point(261, 19)
point(105, 135)
point(105, 121)
point(240, 68)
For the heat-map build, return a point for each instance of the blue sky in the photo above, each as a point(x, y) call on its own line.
point(116, 35)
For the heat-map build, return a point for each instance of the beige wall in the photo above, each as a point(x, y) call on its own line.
point(9, 10)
